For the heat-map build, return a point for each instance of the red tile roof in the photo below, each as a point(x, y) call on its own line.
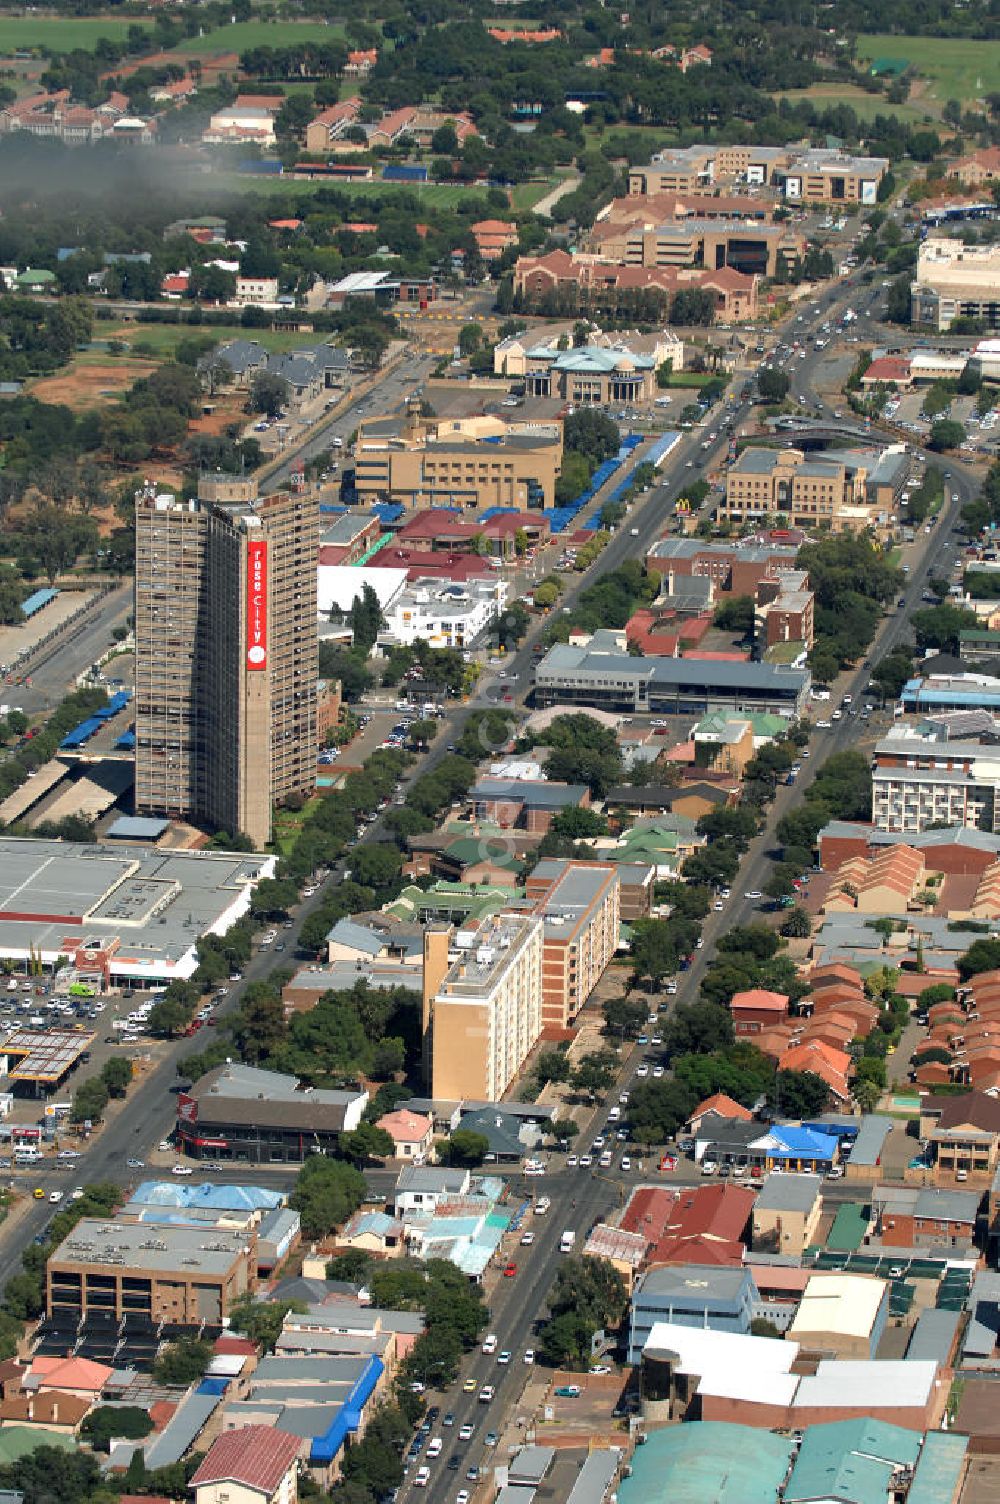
point(759, 1000)
point(725, 1106)
point(234, 1347)
point(696, 1224)
point(256, 1456)
point(888, 368)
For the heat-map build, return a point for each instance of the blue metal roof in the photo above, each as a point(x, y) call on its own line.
point(36, 601)
point(82, 733)
point(348, 1417)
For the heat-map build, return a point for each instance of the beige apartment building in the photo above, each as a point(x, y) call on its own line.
point(226, 655)
point(751, 247)
point(955, 281)
point(482, 1004)
point(179, 1274)
point(783, 482)
point(472, 463)
point(579, 904)
point(825, 176)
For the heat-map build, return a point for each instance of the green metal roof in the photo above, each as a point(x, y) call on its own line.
point(471, 849)
point(707, 1462)
point(17, 1441)
point(850, 1461)
point(848, 1230)
point(939, 1469)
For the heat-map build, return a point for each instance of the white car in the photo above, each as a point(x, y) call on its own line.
point(527, 1238)
point(182, 1170)
point(754, 893)
point(423, 1477)
point(709, 1167)
point(465, 1433)
point(55, 1196)
point(504, 1358)
point(529, 1356)
point(642, 1071)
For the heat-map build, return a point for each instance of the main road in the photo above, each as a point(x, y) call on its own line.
point(578, 1199)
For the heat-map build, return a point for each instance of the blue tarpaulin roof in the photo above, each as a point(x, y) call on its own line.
point(82, 733)
point(219, 1197)
point(126, 742)
point(36, 601)
point(387, 511)
point(115, 704)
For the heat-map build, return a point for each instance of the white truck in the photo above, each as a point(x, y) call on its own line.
point(567, 1241)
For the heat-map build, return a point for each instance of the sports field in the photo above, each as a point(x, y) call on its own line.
point(246, 34)
point(20, 33)
point(955, 67)
point(441, 195)
point(866, 106)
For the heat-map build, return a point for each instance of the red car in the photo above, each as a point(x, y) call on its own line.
point(510, 1271)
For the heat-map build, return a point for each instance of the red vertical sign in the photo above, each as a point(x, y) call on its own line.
point(257, 605)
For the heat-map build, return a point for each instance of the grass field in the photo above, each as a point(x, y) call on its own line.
point(954, 67)
point(246, 34)
point(866, 106)
point(439, 194)
point(22, 32)
point(525, 196)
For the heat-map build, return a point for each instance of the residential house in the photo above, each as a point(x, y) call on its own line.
point(412, 1133)
point(756, 1010)
point(915, 1217)
point(254, 1465)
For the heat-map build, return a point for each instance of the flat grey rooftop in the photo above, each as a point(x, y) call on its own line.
point(160, 1250)
point(156, 903)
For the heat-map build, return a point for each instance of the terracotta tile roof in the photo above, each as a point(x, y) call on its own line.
point(71, 1373)
point(45, 1408)
point(682, 1224)
point(160, 1412)
point(836, 971)
point(404, 1126)
point(256, 1456)
point(888, 368)
point(760, 1001)
point(831, 1065)
point(725, 1106)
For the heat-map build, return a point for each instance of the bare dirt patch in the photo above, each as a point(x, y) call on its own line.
point(86, 385)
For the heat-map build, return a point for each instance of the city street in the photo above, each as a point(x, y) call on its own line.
point(578, 1198)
